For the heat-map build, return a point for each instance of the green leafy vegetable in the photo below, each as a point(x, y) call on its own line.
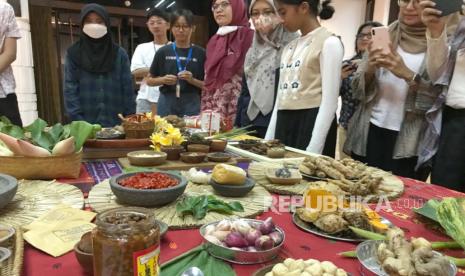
point(451, 216)
point(40, 134)
point(8, 128)
point(82, 131)
point(200, 258)
point(198, 206)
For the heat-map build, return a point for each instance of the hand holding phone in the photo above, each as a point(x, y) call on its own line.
point(381, 39)
point(448, 6)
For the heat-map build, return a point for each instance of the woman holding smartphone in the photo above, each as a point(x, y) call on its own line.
point(349, 67)
point(394, 91)
point(446, 66)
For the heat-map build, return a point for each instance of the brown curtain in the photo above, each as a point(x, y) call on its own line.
point(46, 66)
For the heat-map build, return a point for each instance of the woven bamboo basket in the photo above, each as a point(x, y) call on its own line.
point(52, 167)
point(14, 265)
point(137, 129)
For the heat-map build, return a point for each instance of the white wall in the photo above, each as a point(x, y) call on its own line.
point(23, 69)
point(350, 14)
point(381, 12)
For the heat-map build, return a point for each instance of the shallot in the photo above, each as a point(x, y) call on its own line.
point(252, 236)
point(235, 239)
point(267, 226)
point(276, 237)
point(264, 243)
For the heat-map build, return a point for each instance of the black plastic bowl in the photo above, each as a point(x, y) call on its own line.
point(147, 197)
point(233, 190)
point(8, 188)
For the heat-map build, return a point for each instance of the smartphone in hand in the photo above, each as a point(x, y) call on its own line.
point(381, 39)
point(448, 6)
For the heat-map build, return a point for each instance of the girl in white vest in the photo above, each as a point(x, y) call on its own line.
point(310, 72)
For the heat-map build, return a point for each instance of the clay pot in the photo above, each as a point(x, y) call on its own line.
point(172, 152)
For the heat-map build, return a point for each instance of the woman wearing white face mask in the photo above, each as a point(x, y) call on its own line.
point(261, 67)
point(98, 82)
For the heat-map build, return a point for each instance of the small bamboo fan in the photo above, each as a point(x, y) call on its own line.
point(255, 203)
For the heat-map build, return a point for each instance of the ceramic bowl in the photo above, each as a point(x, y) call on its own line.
point(193, 157)
point(233, 190)
point(147, 198)
point(146, 158)
point(6, 232)
point(8, 188)
point(198, 148)
point(85, 258)
point(219, 157)
point(218, 145)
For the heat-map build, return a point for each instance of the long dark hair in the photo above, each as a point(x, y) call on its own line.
point(372, 24)
point(326, 12)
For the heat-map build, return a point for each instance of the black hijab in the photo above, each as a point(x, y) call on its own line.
point(94, 55)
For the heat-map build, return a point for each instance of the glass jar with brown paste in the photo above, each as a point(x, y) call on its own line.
point(126, 242)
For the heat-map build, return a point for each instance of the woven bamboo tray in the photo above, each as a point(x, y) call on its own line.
point(14, 265)
point(391, 187)
point(34, 198)
point(256, 202)
point(51, 167)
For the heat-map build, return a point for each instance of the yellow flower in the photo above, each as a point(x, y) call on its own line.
point(165, 134)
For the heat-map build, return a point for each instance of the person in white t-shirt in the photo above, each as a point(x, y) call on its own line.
point(158, 24)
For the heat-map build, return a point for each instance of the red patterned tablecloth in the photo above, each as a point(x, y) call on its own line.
point(298, 244)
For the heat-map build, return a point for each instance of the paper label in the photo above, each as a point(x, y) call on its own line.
point(146, 261)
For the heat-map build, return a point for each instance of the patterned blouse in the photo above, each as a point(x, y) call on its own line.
point(8, 29)
point(349, 104)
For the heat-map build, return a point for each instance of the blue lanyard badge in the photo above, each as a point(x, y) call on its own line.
point(178, 60)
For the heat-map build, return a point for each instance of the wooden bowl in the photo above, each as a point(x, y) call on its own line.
point(85, 259)
point(193, 157)
point(146, 158)
point(218, 157)
point(198, 148)
point(218, 145)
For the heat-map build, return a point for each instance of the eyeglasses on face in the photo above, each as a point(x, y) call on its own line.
point(182, 27)
point(404, 3)
point(366, 36)
point(222, 6)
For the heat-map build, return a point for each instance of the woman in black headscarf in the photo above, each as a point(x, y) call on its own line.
point(98, 83)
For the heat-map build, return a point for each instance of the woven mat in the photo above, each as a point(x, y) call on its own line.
point(392, 187)
point(35, 197)
point(14, 265)
point(257, 171)
point(256, 202)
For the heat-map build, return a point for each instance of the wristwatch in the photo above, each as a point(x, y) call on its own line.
point(415, 80)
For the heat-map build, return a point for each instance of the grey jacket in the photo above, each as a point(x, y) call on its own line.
point(419, 100)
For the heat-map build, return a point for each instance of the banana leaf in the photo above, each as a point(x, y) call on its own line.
point(200, 258)
point(429, 209)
